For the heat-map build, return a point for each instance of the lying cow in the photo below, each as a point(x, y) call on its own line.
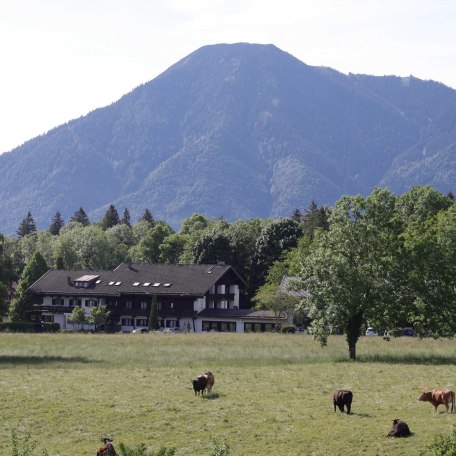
point(199, 384)
point(343, 398)
point(439, 396)
point(210, 381)
point(107, 449)
point(400, 429)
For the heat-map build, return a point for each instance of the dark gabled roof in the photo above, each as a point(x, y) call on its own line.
point(173, 279)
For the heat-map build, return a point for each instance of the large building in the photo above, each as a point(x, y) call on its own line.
point(194, 298)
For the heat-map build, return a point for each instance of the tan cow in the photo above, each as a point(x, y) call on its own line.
point(439, 396)
point(210, 381)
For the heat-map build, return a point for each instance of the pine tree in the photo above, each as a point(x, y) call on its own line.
point(111, 218)
point(57, 224)
point(22, 302)
point(147, 217)
point(153, 315)
point(81, 217)
point(27, 226)
point(126, 217)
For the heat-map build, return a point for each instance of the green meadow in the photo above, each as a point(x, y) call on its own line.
point(272, 393)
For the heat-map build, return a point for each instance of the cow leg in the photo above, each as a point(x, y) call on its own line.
point(348, 409)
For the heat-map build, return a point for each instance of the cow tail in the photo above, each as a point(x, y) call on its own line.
point(452, 403)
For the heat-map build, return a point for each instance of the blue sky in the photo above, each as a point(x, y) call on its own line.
point(63, 58)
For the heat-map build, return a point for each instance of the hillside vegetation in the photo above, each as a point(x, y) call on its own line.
point(238, 131)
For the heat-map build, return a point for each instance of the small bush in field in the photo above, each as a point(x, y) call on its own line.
point(287, 329)
point(220, 449)
point(24, 446)
point(443, 446)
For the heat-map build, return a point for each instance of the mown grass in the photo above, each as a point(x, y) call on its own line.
point(272, 394)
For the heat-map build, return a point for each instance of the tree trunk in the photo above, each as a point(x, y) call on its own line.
point(352, 350)
point(352, 334)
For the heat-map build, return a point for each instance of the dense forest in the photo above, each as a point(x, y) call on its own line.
point(385, 259)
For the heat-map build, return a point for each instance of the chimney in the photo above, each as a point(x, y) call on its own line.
point(69, 281)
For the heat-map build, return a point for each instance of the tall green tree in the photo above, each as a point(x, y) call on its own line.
point(56, 224)
point(213, 247)
point(147, 217)
point(431, 248)
point(22, 302)
point(354, 272)
point(153, 315)
point(148, 249)
point(80, 216)
point(111, 218)
point(27, 226)
point(3, 298)
point(275, 239)
point(126, 217)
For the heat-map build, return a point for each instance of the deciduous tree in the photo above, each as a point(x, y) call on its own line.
point(354, 272)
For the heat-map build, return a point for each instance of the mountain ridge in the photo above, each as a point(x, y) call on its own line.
point(236, 130)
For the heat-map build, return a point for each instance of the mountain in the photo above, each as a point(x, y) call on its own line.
point(236, 130)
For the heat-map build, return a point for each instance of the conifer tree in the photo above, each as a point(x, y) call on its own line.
point(57, 224)
point(27, 226)
point(22, 302)
point(147, 217)
point(153, 315)
point(111, 218)
point(81, 217)
point(126, 217)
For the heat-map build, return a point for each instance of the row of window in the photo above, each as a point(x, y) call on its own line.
point(224, 326)
point(75, 302)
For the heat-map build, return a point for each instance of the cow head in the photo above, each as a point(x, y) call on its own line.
point(426, 396)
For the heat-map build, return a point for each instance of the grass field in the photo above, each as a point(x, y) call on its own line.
point(272, 393)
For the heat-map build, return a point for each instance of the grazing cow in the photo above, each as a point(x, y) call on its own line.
point(439, 396)
point(400, 429)
point(107, 449)
point(210, 381)
point(343, 398)
point(199, 384)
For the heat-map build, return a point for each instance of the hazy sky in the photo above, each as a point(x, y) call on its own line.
point(61, 59)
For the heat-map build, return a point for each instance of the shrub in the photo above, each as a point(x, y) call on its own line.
point(28, 326)
point(443, 446)
point(288, 329)
point(220, 449)
point(24, 446)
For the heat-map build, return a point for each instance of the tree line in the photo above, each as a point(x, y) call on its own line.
point(385, 260)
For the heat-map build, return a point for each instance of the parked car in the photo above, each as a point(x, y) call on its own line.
point(140, 330)
point(410, 332)
point(371, 332)
point(398, 332)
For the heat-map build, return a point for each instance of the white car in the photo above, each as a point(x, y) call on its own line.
point(371, 332)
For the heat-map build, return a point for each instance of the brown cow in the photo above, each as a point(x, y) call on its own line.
point(210, 381)
point(439, 396)
point(343, 398)
point(400, 429)
point(107, 449)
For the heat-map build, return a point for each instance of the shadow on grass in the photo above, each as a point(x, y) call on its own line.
point(432, 360)
point(361, 415)
point(212, 396)
point(40, 360)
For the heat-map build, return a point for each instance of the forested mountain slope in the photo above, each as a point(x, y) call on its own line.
point(236, 130)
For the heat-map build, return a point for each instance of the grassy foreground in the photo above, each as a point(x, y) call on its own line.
point(272, 394)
